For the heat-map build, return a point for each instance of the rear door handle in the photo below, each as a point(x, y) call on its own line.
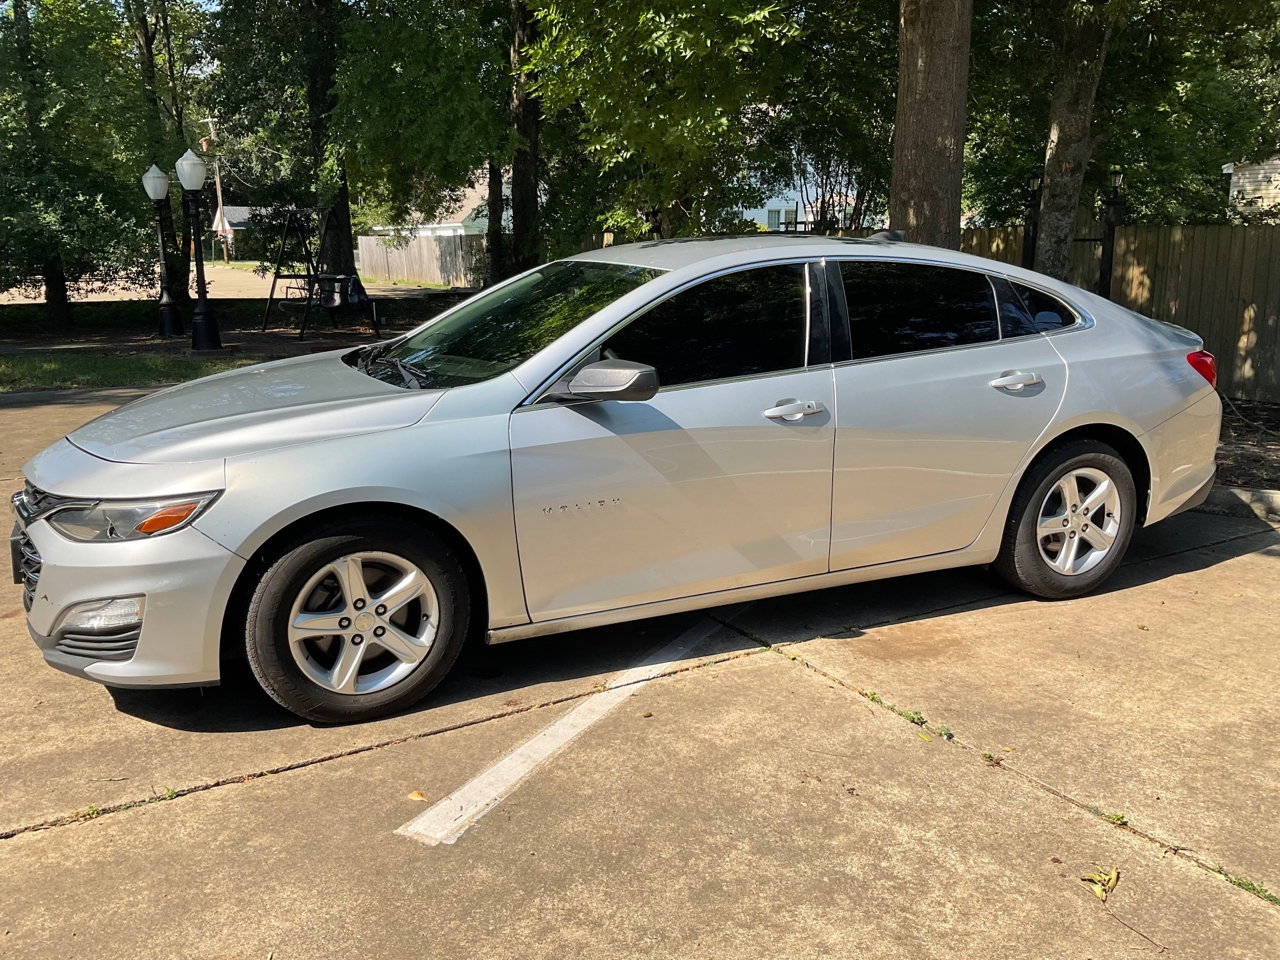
point(1015, 380)
point(793, 410)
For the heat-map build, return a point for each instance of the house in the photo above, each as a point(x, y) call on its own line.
point(786, 211)
point(1254, 184)
point(468, 217)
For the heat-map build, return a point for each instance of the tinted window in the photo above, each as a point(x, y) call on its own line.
point(500, 329)
point(753, 321)
point(905, 307)
point(1047, 313)
point(1015, 319)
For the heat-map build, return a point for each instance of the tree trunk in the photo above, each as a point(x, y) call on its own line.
point(526, 117)
point(57, 306)
point(338, 255)
point(494, 257)
point(1071, 142)
point(144, 41)
point(323, 23)
point(159, 122)
point(928, 132)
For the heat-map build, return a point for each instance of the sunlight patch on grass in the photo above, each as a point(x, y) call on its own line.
point(65, 369)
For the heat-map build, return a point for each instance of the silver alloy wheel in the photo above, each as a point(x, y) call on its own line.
point(1079, 521)
point(363, 622)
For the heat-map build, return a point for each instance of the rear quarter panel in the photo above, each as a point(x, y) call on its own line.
point(1132, 372)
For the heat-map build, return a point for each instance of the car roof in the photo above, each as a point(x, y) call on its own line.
point(728, 252)
point(751, 248)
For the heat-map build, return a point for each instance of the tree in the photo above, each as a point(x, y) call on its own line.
point(1086, 38)
point(275, 93)
point(70, 214)
point(838, 105)
point(675, 100)
point(167, 54)
point(1182, 89)
point(928, 135)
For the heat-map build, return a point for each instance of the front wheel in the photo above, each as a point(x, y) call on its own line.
point(1070, 522)
point(357, 621)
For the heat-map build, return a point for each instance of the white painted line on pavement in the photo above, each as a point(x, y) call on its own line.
point(449, 819)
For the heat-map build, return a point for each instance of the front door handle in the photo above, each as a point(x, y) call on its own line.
point(793, 410)
point(1015, 380)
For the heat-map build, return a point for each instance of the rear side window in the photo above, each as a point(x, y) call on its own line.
point(1015, 319)
point(908, 307)
point(1046, 312)
point(749, 322)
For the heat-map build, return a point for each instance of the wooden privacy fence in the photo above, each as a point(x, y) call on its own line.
point(456, 261)
point(1221, 281)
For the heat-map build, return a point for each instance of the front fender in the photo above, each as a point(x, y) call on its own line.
point(457, 470)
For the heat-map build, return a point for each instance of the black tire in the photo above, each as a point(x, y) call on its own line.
point(1022, 561)
point(272, 656)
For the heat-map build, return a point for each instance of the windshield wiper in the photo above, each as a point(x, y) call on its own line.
point(414, 377)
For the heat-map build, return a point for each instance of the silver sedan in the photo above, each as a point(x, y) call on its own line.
point(633, 431)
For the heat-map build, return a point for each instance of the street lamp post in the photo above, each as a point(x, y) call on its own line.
point(204, 326)
point(1031, 224)
point(1113, 217)
point(156, 184)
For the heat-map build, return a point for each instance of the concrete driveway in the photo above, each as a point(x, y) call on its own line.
point(761, 796)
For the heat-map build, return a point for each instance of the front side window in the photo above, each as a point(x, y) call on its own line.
point(908, 307)
point(499, 330)
point(750, 322)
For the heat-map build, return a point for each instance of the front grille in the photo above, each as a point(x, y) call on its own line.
point(119, 644)
point(29, 568)
point(37, 499)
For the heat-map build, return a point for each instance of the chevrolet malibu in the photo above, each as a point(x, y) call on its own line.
point(630, 432)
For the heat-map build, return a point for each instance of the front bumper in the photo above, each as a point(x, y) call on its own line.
point(186, 579)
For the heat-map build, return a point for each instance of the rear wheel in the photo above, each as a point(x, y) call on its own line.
point(1070, 522)
point(358, 621)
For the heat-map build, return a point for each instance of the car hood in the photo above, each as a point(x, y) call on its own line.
point(251, 409)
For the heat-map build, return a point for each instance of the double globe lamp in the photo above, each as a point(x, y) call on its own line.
point(191, 173)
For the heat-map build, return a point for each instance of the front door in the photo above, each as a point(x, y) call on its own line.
point(707, 486)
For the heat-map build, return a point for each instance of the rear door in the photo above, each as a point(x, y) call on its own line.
point(705, 487)
point(936, 409)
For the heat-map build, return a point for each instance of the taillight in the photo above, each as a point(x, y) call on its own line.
point(1205, 365)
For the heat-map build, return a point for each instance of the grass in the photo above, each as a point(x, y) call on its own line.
point(1250, 886)
point(25, 322)
point(1119, 819)
point(63, 369)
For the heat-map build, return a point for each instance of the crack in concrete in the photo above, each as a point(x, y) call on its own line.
point(1091, 809)
point(100, 812)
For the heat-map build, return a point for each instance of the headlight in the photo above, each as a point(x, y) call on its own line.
point(128, 519)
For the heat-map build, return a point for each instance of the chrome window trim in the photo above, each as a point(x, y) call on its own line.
point(1084, 320)
point(934, 351)
point(536, 395)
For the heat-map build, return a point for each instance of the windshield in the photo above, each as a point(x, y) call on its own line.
point(496, 331)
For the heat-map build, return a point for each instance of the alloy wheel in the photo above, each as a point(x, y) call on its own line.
point(363, 622)
point(1079, 520)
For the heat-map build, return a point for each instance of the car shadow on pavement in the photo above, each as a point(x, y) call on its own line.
point(1182, 545)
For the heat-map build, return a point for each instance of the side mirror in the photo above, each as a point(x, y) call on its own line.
point(614, 380)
